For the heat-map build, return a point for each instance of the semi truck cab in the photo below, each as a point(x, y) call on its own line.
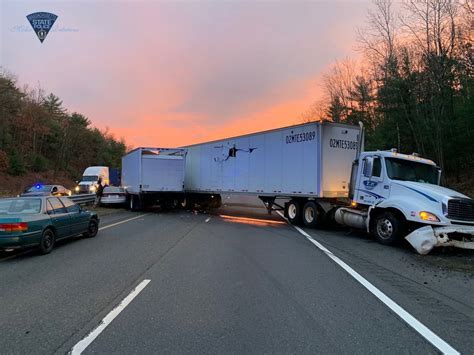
point(397, 194)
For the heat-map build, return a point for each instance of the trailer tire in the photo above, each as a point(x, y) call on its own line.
point(293, 211)
point(134, 203)
point(387, 227)
point(311, 214)
point(187, 203)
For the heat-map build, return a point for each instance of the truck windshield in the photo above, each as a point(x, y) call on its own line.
point(90, 178)
point(401, 169)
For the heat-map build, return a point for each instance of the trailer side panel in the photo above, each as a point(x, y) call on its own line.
point(278, 162)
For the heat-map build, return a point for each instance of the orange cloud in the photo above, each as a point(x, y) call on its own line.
point(178, 129)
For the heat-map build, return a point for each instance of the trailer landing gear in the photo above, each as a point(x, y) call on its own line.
point(270, 204)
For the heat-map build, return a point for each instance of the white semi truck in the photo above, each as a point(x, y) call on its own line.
point(319, 171)
point(92, 177)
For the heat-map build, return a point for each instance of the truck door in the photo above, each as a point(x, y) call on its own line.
point(372, 188)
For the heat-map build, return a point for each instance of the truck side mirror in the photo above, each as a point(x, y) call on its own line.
point(368, 166)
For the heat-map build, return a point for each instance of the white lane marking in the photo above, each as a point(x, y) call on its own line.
point(124, 221)
point(85, 342)
point(426, 333)
point(208, 219)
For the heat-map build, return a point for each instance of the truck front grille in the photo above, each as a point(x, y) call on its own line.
point(84, 188)
point(461, 209)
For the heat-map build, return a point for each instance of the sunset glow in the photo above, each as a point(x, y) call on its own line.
point(176, 73)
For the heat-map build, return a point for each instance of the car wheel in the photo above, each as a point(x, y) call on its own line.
point(387, 228)
point(293, 211)
point(47, 241)
point(92, 229)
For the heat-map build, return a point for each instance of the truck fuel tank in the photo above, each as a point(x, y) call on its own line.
point(351, 217)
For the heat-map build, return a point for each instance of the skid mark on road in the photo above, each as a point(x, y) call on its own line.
point(419, 327)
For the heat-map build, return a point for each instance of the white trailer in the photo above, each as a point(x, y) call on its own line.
point(304, 162)
point(152, 175)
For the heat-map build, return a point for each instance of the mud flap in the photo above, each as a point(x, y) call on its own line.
point(422, 239)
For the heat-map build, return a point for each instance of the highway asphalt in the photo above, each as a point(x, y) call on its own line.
point(232, 281)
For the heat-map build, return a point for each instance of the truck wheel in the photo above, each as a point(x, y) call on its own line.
point(187, 203)
point(387, 228)
point(47, 242)
point(134, 203)
point(293, 212)
point(311, 214)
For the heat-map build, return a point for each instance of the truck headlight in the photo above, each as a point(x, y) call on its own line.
point(427, 216)
point(76, 189)
point(92, 188)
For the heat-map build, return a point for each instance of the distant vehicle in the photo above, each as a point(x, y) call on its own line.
point(41, 221)
point(46, 190)
point(92, 177)
point(113, 195)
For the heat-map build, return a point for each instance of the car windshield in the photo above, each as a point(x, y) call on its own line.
point(401, 169)
point(90, 178)
point(20, 206)
point(40, 188)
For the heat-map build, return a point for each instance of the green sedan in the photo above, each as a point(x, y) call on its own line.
point(41, 221)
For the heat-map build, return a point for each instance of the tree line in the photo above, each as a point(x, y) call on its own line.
point(37, 133)
point(413, 89)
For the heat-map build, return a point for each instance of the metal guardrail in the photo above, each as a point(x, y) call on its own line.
point(83, 198)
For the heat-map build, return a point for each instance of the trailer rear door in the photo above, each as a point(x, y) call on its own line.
point(162, 173)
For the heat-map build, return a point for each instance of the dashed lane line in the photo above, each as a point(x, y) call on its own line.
point(89, 338)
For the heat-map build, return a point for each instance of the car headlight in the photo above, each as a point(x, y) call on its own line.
point(427, 216)
point(76, 189)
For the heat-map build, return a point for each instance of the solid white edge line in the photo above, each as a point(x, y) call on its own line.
point(124, 221)
point(85, 342)
point(419, 327)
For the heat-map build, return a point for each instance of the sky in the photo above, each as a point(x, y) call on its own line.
point(171, 73)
